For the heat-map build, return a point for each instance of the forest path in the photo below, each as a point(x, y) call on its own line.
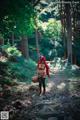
point(61, 101)
point(58, 102)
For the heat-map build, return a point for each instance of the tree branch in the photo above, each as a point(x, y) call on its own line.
point(36, 3)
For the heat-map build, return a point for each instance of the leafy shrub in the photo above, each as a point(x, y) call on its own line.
point(4, 75)
point(23, 70)
point(11, 51)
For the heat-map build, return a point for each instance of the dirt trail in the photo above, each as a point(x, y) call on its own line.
point(61, 101)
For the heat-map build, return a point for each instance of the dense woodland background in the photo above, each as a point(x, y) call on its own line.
point(31, 27)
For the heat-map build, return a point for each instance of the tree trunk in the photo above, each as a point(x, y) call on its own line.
point(12, 38)
point(37, 37)
point(24, 47)
point(69, 33)
point(74, 34)
point(1, 41)
point(37, 42)
point(63, 22)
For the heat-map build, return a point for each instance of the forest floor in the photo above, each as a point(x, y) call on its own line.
point(61, 101)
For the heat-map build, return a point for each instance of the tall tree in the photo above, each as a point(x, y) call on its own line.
point(20, 14)
point(69, 32)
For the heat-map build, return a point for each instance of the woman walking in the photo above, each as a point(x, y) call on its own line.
point(43, 71)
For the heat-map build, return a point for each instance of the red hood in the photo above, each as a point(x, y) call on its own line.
point(46, 65)
point(42, 59)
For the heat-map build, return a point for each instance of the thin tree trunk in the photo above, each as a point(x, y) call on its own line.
point(12, 38)
point(24, 47)
point(37, 42)
point(74, 33)
point(64, 36)
point(37, 38)
point(69, 33)
point(1, 41)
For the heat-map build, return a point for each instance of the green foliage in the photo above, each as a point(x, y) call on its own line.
point(51, 38)
point(21, 71)
point(72, 71)
point(11, 51)
point(53, 29)
point(5, 76)
point(18, 18)
point(1, 36)
point(15, 70)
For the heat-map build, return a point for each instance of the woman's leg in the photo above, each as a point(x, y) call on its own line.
point(44, 86)
point(40, 85)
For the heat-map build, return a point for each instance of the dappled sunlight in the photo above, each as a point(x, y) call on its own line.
point(53, 86)
point(56, 69)
point(3, 59)
point(61, 86)
point(50, 86)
